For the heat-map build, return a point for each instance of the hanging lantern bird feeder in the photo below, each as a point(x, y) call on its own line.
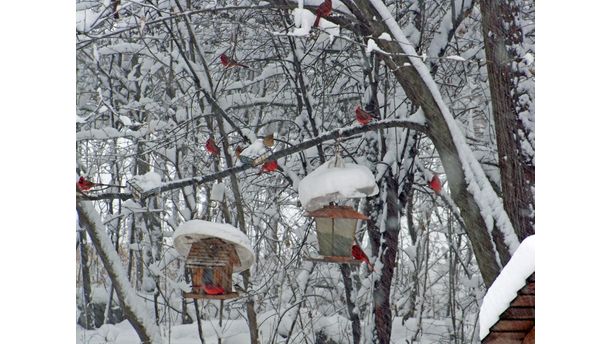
point(336, 226)
point(213, 252)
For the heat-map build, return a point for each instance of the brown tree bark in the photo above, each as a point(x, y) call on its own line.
point(387, 253)
point(502, 33)
point(350, 305)
point(87, 309)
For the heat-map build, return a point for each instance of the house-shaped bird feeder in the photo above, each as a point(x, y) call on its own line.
point(213, 252)
point(336, 225)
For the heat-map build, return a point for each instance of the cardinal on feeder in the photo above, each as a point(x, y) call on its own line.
point(229, 62)
point(211, 289)
point(360, 255)
point(435, 184)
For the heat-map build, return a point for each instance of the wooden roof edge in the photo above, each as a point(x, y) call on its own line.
point(531, 277)
point(519, 313)
point(335, 211)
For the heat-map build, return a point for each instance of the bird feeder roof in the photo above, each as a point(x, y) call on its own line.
point(338, 212)
point(194, 230)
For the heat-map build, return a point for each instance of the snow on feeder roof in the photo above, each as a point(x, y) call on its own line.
point(194, 230)
point(336, 180)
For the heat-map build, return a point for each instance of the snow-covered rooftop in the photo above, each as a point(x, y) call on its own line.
point(194, 230)
point(504, 289)
point(336, 180)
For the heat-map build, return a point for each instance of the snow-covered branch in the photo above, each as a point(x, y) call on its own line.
point(328, 136)
point(131, 304)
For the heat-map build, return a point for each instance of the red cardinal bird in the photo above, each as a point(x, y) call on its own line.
point(211, 289)
point(360, 255)
point(269, 166)
point(211, 147)
point(435, 183)
point(229, 62)
point(84, 184)
point(324, 10)
point(238, 150)
point(362, 116)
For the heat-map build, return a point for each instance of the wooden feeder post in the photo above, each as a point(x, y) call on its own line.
point(336, 226)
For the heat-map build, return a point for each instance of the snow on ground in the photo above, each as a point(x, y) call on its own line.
point(194, 230)
point(336, 180)
point(336, 327)
point(510, 280)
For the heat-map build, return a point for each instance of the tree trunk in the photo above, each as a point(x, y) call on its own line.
point(132, 306)
point(503, 37)
point(387, 253)
point(492, 244)
point(87, 308)
point(352, 311)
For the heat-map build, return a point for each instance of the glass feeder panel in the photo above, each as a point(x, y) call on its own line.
point(343, 235)
point(324, 235)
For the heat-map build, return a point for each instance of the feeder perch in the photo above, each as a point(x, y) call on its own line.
point(213, 252)
point(137, 191)
point(255, 154)
point(336, 226)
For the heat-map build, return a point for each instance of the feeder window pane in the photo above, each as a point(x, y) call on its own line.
point(343, 235)
point(324, 224)
point(324, 235)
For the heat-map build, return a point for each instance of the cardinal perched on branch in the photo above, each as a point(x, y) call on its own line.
point(360, 255)
point(211, 147)
point(324, 10)
point(85, 185)
point(229, 62)
point(435, 184)
point(362, 116)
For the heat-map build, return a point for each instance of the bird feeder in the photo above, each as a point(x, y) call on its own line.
point(213, 252)
point(336, 226)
